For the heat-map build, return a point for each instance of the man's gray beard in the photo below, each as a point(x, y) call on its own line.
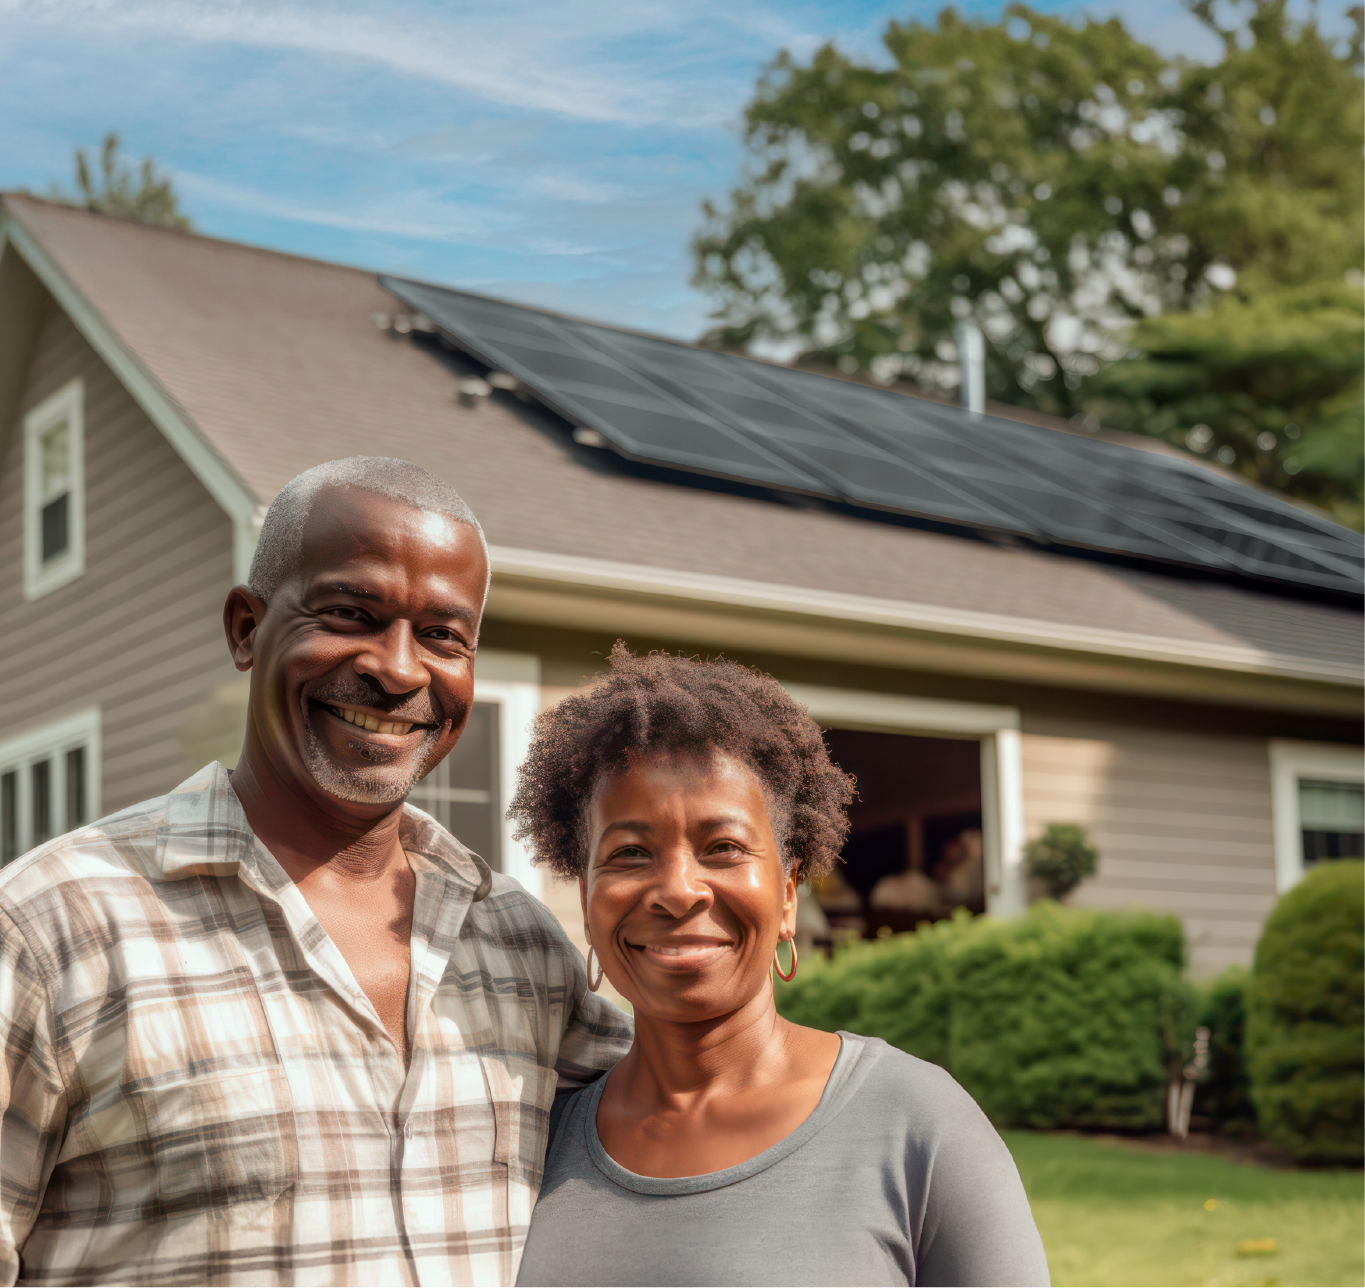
point(358, 786)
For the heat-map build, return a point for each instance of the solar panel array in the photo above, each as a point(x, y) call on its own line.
point(670, 404)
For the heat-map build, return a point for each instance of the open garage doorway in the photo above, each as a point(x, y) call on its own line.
point(914, 851)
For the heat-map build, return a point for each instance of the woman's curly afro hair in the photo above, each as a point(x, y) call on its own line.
point(667, 705)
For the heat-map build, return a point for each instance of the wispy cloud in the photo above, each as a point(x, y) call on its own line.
point(555, 151)
point(580, 58)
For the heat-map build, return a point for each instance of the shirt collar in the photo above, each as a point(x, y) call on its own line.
point(204, 832)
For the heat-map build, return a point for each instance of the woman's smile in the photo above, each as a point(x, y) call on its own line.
point(685, 952)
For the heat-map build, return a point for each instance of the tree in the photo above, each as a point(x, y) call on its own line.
point(1267, 377)
point(1269, 383)
point(120, 189)
point(1055, 181)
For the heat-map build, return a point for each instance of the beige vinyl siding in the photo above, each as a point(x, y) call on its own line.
point(140, 633)
point(1181, 820)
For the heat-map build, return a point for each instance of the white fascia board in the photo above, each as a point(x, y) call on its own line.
point(222, 482)
point(931, 619)
point(937, 717)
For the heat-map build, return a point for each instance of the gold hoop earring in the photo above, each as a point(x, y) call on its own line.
point(777, 960)
point(594, 984)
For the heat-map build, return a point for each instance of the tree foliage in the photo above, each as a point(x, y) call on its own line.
point(114, 186)
point(1062, 184)
point(1269, 383)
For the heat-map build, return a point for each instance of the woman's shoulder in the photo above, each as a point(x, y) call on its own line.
point(902, 1084)
point(567, 1106)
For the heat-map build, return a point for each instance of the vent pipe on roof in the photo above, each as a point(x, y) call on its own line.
point(971, 356)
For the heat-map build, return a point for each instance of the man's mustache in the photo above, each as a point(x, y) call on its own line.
point(417, 707)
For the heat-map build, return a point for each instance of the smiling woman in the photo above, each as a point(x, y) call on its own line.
point(730, 1146)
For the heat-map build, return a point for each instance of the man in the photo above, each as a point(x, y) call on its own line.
point(277, 1027)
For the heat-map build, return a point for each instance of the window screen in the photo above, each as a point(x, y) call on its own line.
point(463, 792)
point(55, 500)
point(9, 816)
point(40, 780)
point(1332, 816)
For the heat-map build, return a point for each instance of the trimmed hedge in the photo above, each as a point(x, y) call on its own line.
point(1306, 1020)
point(1060, 1018)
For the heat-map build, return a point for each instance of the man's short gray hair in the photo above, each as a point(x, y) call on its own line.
point(281, 539)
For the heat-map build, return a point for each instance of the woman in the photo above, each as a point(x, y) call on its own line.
point(730, 1146)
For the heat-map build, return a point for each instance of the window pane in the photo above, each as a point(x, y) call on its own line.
point(463, 793)
point(9, 816)
point(75, 787)
point(56, 537)
point(40, 781)
point(56, 460)
point(1338, 807)
point(1321, 845)
point(1332, 816)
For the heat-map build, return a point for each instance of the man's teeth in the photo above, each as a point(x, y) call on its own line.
point(364, 721)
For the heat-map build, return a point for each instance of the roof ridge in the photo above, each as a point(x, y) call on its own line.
point(11, 197)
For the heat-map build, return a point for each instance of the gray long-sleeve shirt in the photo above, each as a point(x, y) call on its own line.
point(897, 1177)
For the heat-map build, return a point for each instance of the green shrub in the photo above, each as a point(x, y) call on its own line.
point(1060, 1018)
point(1067, 1018)
point(1223, 1098)
point(1305, 1026)
point(1061, 858)
point(895, 988)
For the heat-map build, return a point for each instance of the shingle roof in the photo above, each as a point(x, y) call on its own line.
point(276, 360)
point(723, 415)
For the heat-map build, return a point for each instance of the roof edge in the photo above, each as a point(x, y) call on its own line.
point(512, 567)
point(221, 481)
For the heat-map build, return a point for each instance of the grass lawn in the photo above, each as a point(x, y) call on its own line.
point(1115, 1213)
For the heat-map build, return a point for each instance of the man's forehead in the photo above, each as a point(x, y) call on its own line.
point(349, 531)
point(346, 518)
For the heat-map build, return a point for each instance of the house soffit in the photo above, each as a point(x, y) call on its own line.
point(570, 591)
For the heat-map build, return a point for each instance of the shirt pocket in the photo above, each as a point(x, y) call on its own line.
point(218, 1139)
point(520, 1091)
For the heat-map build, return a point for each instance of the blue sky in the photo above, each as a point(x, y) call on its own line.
point(551, 151)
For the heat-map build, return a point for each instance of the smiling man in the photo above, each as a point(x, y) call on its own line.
point(278, 1027)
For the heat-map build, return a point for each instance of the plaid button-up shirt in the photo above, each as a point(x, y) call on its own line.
point(194, 1089)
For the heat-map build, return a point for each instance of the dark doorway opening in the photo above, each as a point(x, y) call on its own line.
point(914, 851)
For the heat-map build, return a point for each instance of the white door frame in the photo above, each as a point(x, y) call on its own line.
point(1002, 786)
point(512, 681)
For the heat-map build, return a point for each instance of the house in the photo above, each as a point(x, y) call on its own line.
point(1000, 625)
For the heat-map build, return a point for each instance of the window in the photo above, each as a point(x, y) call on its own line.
point(470, 790)
point(54, 491)
point(463, 793)
point(1318, 800)
point(1331, 820)
point(49, 782)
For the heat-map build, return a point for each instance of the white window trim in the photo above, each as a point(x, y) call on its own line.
point(67, 403)
point(51, 742)
point(512, 680)
point(1289, 762)
point(1002, 779)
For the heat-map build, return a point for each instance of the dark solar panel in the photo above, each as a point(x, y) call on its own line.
point(671, 404)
